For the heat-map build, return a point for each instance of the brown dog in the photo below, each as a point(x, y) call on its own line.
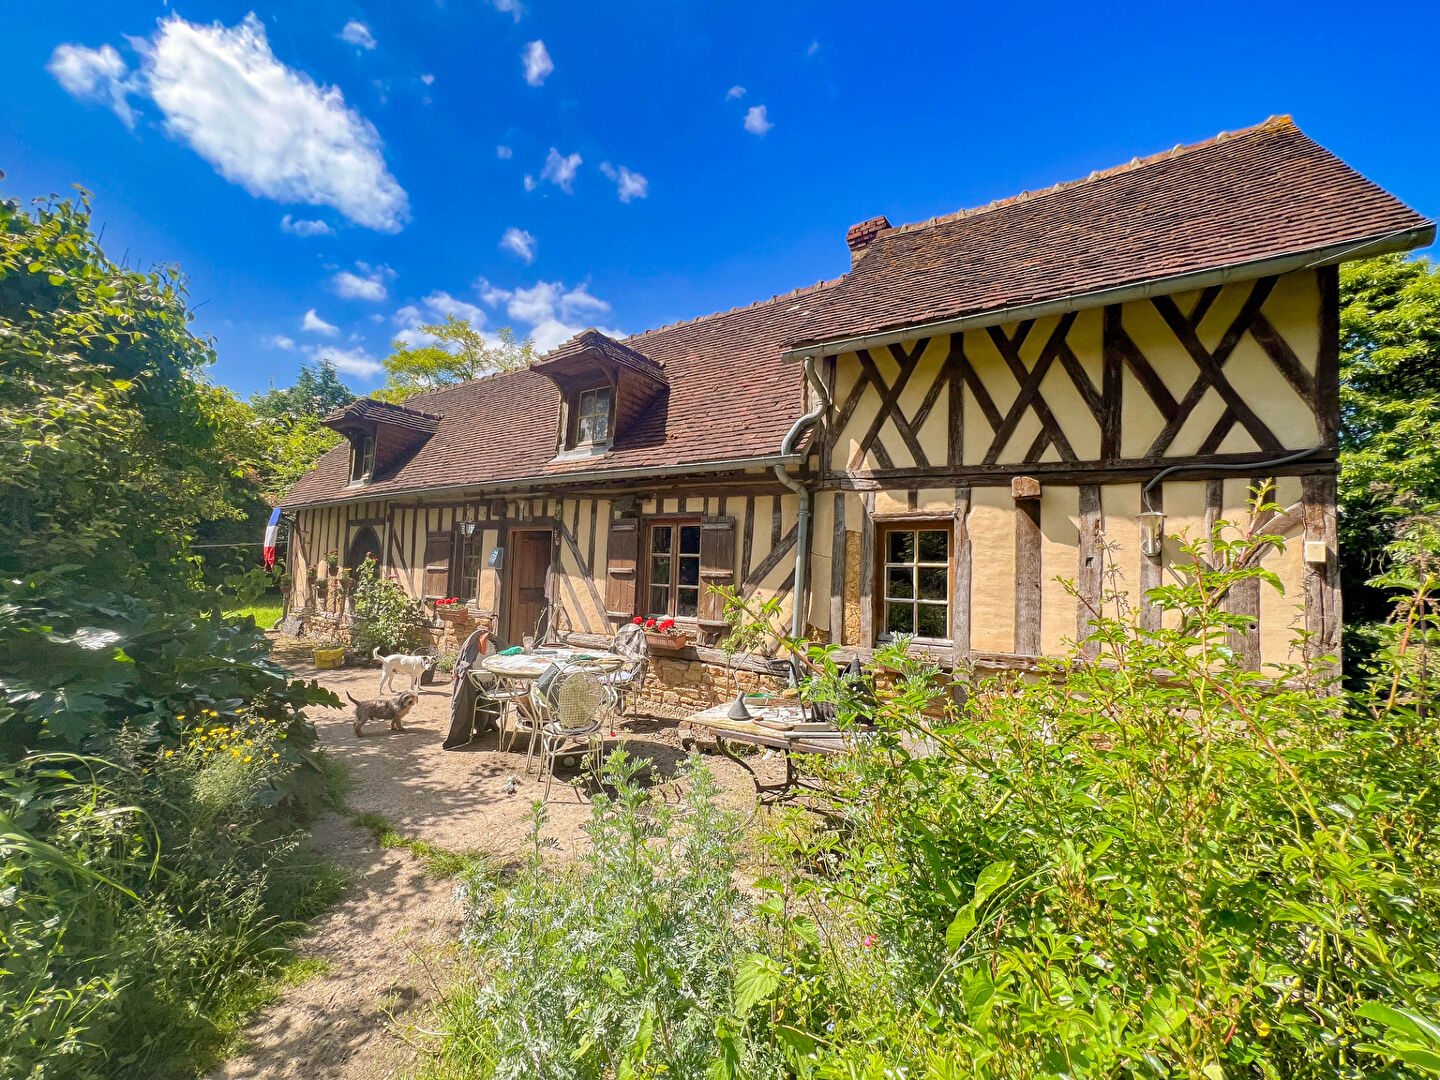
point(392, 709)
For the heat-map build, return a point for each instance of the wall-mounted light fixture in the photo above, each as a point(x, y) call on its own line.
point(467, 528)
point(1152, 532)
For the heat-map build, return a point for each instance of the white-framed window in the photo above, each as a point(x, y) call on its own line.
point(915, 580)
point(592, 417)
point(362, 459)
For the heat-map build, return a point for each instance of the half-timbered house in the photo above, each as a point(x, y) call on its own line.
point(982, 406)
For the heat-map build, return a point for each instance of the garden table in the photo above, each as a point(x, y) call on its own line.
point(529, 666)
point(807, 739)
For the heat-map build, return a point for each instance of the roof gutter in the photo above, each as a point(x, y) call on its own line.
point(642, 471)
point(1403, 240)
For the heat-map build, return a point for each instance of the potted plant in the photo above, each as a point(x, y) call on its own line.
point(332, 563)
point(451, 607)
point(663, 635)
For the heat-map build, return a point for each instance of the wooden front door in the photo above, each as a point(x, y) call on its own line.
point(529, 565)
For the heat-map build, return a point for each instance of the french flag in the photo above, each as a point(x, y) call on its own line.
point(271, 528)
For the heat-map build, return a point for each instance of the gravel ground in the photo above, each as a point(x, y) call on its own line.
point(388, 946)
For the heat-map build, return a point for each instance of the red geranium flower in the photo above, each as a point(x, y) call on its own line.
point(667, 624)
point(638, 621)
point(649, 624)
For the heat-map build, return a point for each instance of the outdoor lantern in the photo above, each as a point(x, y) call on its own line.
point(467, 528)
point(1152, 532)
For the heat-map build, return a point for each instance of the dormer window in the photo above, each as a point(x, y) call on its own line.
point(592, 417)
point(362, 458)
point(612, 398)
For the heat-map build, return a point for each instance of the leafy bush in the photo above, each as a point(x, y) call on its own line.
point(156, 770)
point(624, 966)
point(384, 617)
point(1153, 863)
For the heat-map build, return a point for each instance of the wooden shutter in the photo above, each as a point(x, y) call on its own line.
point(620, 551)
point(717, 568)
point(438, 548)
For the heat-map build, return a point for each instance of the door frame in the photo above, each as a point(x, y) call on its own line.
point(508, 584)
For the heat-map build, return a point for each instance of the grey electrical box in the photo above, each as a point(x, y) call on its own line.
point(496, 559)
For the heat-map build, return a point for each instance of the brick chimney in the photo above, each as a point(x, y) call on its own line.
point(859, 237)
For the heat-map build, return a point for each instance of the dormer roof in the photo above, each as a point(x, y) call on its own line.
point(580, 356)
point(364, 413)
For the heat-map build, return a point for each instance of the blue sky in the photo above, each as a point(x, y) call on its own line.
point(681, 158)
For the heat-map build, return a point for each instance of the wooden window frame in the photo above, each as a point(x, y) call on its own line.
point(648, 527)
point(362, 459)
point(573, 440)
point(466, 563)
point(884, 527)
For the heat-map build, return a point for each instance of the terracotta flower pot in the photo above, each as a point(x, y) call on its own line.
point(665, 642)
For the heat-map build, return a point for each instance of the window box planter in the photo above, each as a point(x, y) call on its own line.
point(659, 642)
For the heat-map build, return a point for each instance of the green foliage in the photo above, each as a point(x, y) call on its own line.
point(626, 966)
point(438, 861)
point(1153, 862)
point(1390, 410)
point(290, 420)
point(384, 617)
point(156, 770)
point(317, 392)
point(457, 352)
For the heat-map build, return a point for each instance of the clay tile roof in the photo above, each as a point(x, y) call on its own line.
point(1244, 196)
point(730, 397)
point(383, 412)
point(592, 341)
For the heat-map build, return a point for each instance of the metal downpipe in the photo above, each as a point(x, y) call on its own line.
point(802, 522)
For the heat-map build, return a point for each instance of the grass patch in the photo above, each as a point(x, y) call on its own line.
point(266, 612)
point(438, 861)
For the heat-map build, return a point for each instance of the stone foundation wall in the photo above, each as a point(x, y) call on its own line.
point(679, 687)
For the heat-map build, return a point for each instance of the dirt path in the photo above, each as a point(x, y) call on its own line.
point(390, 943)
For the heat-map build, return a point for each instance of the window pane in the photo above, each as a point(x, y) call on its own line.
point(900, 547)
point(660, 538)
point(930, 621)
point(933, 582)
point(898, 619)
point(899, 583)
point(689, 570)
point(934, 546)
point(689, 539)
point(600, 401)
point(686, 602)
point(600, 426)
point(585, 429)
point(659, 600)
point(660, 569)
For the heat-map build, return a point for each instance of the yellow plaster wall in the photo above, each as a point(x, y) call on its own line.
point(1059, 562)
point(992, 540)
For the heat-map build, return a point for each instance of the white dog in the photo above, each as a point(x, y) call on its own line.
point(400, 664)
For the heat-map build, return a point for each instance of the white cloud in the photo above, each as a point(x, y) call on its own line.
point(268, 127)
point(302, 227)
point(546, 311)
point(560, 170)
point(530, 182)
point(358, 34)
point(504, 153)
point(756, 122)
point(277, 341)
point(314, 324)
point(509, 6)
point(442, 304)
point(368, 284)
point(630, 184)
point(813, 49)
point(537, 63)
point(95, 75)
point(734, 92)
point(356, 362)
point(521, 242)
point(428, 80)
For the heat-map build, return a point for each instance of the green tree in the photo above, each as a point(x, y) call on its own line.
point(457, 353)
point(1389, 413)
point(317, 392)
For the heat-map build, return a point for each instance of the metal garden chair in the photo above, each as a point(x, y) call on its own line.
point(623, 684)
point(572, 701)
